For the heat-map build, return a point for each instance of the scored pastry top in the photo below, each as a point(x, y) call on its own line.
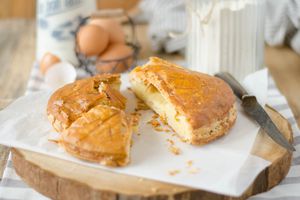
point(202, 98)
point(69, 102)
point(102, 135)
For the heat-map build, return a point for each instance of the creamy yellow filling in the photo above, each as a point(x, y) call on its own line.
point(155, 100)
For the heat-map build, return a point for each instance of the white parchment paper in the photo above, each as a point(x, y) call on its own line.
point(224, 166)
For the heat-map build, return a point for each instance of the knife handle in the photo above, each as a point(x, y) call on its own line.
point(237, 88)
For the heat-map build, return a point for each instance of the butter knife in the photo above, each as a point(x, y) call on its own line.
point(255, 110)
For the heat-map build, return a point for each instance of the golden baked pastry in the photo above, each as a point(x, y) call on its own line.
point(199, 107)
point(72, 100)
point(89, 115)
point(103, 135)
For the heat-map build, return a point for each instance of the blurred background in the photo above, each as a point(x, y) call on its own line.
point(154, 21)
point(269, 39)
point(27, 9)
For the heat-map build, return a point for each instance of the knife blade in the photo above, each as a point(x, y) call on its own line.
point(255, 110)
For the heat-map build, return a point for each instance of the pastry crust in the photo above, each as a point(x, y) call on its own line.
point(72, 100)
point(204, 105)
point(90, 118)
point(214, 130)
point(103, 135)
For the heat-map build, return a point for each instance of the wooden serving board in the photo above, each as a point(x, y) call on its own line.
point(59, 179)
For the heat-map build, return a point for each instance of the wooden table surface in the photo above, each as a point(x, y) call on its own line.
point(17, 54)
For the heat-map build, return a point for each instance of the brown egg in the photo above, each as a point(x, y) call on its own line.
point(115, 51)
point(47, 61)
point(92, 40)
point(113, 27)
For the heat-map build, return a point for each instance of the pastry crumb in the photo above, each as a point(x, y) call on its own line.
point(155, 123)
point(163, 119)
point(183, 140)
point(174, 172)
point(53, 140)
point(158, 129)
point(135, 119)
point(193, 170)
point(174, 150)
point(189, 163)
point(159, 125)
point(170, 141)
point(155, 116)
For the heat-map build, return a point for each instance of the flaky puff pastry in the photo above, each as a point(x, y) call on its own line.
point(72, 100)
point(102, 135)
point(199, 107)
point(89, 116)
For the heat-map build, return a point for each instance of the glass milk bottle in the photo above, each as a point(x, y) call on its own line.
point(225, 35)
point(57, 21)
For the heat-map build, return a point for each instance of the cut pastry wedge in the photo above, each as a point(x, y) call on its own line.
point(102, 135)
point(72, 100)
point(89, 116)
point(200, 108)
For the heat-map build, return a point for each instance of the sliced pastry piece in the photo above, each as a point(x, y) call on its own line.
point(72, 100)
point(199, 107)
point(103, 135)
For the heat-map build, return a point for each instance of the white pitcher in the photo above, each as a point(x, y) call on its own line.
point(225, 35)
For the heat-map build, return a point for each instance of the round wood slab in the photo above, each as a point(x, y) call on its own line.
point(59, 179)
